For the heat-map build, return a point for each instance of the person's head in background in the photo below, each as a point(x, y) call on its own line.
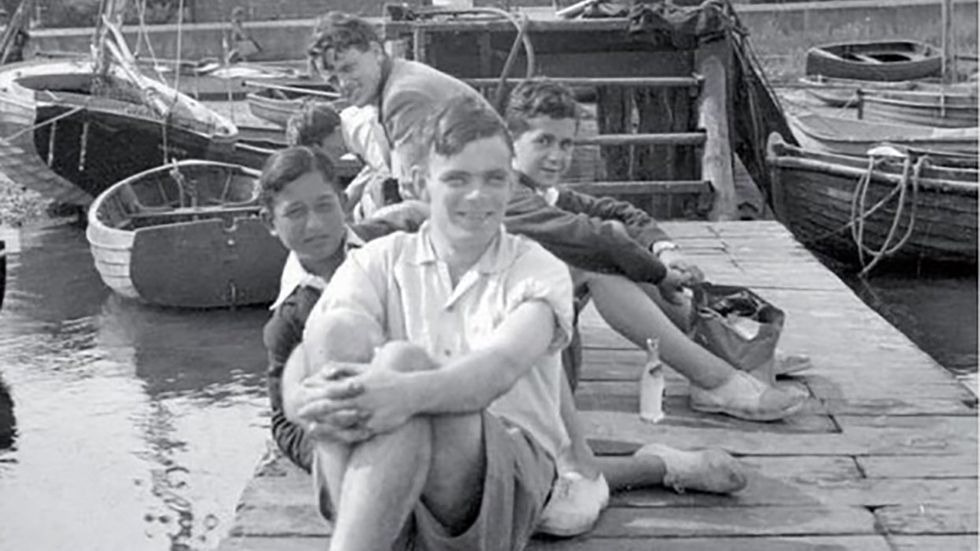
point(237, 15)
point(317, 124)
point(303, 205)
point(351, 54)
point(465, 173)
point(543, 118)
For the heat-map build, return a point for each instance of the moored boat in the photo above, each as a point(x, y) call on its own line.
point(276, 103)
point(72, 127)
point(869, 209)
point(186, 234)
point(856, 137)
point(843, 92)
point(925, 108)
point(887, 60)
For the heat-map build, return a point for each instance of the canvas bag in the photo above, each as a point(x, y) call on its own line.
point(739, 326)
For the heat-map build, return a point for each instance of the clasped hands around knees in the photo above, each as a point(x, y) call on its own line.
point(351, 401)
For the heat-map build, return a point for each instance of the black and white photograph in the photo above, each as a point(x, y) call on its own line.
point(489, 275)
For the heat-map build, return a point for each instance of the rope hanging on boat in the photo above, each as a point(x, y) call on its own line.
point(32, 128)
point(522, 38)
point(859, 215)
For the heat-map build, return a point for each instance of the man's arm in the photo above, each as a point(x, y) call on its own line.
point(640, 225)
point(473, 381)
point(580, 240)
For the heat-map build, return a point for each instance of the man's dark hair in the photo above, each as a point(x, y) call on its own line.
point(286, 165)
point(461, 121)
point(339, 31)
point(311, 124)
point(536, 98)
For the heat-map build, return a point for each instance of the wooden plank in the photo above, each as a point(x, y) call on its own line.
point(640, 187)
point(623, 397)
point(928, 518)
point(624, 427)
point(628, 82)
point(274, 519)
point(962, 542)
point(713, 115)
point(776, 543)
point(763, 490)
point(667, 522)
point(662, 138)
point(917, 466)
point(274, 543)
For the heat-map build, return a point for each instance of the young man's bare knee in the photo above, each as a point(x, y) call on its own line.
point(341, 335)
point(404, 356)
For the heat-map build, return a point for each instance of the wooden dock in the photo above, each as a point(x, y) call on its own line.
point(884, 457)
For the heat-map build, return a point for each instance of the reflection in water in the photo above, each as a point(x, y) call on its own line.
point(137, 427)
point(8, 423)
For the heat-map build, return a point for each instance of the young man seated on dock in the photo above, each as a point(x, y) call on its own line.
point(456, 451)
point(400, 92)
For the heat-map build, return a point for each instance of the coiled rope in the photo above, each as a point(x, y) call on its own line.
point(859, 215)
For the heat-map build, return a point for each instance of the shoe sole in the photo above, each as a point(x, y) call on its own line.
point(564, 532)
point(775, 416)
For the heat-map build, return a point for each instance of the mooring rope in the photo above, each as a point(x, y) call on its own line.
point(859, 215)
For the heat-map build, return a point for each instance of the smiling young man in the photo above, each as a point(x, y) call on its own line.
point(404, 92)
point(460, 456)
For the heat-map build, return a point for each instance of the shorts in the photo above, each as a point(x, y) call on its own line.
point(517, 483)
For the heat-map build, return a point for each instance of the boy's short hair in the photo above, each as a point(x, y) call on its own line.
point(287, 165)
point(461, 121)
point(536, 98)
point(339, 31)
point(311, 124)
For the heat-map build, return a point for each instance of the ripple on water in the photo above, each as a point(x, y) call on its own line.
point(134, 427)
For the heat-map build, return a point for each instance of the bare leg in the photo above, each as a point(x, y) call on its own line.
point(578, 457)
point(380, 481)
point(629, 311)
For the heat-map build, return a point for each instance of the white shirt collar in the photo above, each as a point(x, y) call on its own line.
point(295, 275)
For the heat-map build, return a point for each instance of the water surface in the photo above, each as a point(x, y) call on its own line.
point(132, 427)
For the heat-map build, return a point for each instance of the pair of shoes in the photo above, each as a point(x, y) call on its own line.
point(711, 470)
point(745, 397)
point(574, 505)
point(791, 364)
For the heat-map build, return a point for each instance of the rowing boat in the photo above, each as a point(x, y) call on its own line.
point(920, 209)
point(947, 109)
point(276, 103)
point(888, 60)
point(856, 137)
point(186, 234)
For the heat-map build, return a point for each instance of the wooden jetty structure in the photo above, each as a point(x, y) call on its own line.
point(882, 458)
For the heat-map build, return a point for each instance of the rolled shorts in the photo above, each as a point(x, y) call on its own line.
point(516, 485)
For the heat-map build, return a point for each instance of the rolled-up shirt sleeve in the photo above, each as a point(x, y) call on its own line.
point(356, 285)
point(539, 275)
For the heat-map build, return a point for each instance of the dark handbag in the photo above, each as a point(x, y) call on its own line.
point(738, 326)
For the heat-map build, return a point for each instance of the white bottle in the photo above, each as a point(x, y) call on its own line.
point(652, 385)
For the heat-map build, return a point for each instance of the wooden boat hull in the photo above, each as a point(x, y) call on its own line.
point(881, 60)
point(843, 92)
point(276, 105)
point(70, 145)
point(214, 254)
point(921, 108)
point(3, 271)
point(813, 195)
point(856, 137)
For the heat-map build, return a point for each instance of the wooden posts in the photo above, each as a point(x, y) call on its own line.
point(949, 44)
point(713, 117)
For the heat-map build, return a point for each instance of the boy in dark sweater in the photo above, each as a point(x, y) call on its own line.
point(633, 272)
